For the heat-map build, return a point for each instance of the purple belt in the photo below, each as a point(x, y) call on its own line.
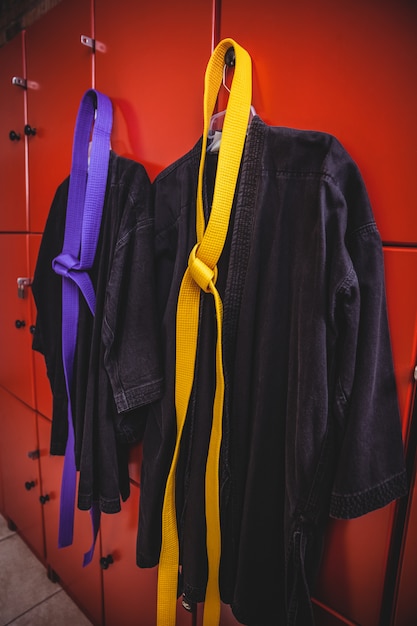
point(87, 187)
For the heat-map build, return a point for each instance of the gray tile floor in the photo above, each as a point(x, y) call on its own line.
point(27, 596)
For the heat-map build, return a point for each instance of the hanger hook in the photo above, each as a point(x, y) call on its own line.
point(229, 61)
point(224, 78)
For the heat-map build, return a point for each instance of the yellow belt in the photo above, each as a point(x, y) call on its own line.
point(201, 273)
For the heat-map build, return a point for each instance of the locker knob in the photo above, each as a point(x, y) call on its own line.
point(33, 454)
point(14, 136)
point(44, 499)
point(20, 323)
point(32, 329)
point(29, 485)
point(29, 130)
point(106, 561)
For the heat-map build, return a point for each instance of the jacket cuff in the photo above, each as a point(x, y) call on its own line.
point(357, 504)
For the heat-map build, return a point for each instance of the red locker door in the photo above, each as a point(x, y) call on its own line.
point(59, 72)
point(43, 394)
point(129, 592)
point(347, 68)
point(19, 459)
point(151, 62)
point(82, 584)
point(16, 365)
point(12, 150)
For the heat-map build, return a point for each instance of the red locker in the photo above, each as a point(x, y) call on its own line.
point(82, 584)
point(43, 394)
point(16, 366)
point(151, 61)
point(347, 68)
point(13, 214)
point(19, 461)
point(59, 72)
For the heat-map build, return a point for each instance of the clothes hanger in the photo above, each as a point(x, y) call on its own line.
point(216, 122)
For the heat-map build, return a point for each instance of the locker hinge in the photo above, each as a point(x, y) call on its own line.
point(415, 373)
point(19, 82)
point(93, 44)
point(22, 284)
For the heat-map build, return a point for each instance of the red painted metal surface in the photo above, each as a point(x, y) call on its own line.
point(351, 579)
point(43, 394)
point(152, 67)
point(347, 68)
point(82, 584)
point(59, 72)
point(12, 153)
point(16, 365)
point(20, 470)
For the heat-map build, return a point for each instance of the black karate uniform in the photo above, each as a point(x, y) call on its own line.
point(117, 362)
point(311, 426)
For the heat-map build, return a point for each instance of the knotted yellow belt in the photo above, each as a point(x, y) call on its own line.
point(201, 273)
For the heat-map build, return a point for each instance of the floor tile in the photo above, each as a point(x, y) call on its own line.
point(23, 579)
point(58, 609)
point(4, 529)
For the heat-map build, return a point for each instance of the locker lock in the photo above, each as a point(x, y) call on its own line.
point(23, 282)
point(20, 323)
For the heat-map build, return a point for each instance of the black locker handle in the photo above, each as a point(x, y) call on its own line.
point(29, 130)
point(106, 561)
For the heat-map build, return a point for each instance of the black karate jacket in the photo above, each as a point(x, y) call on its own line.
point(311, 426)
point(117, 362)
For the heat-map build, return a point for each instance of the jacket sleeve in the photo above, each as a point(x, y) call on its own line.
point(130, 330)
point(370, 467)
